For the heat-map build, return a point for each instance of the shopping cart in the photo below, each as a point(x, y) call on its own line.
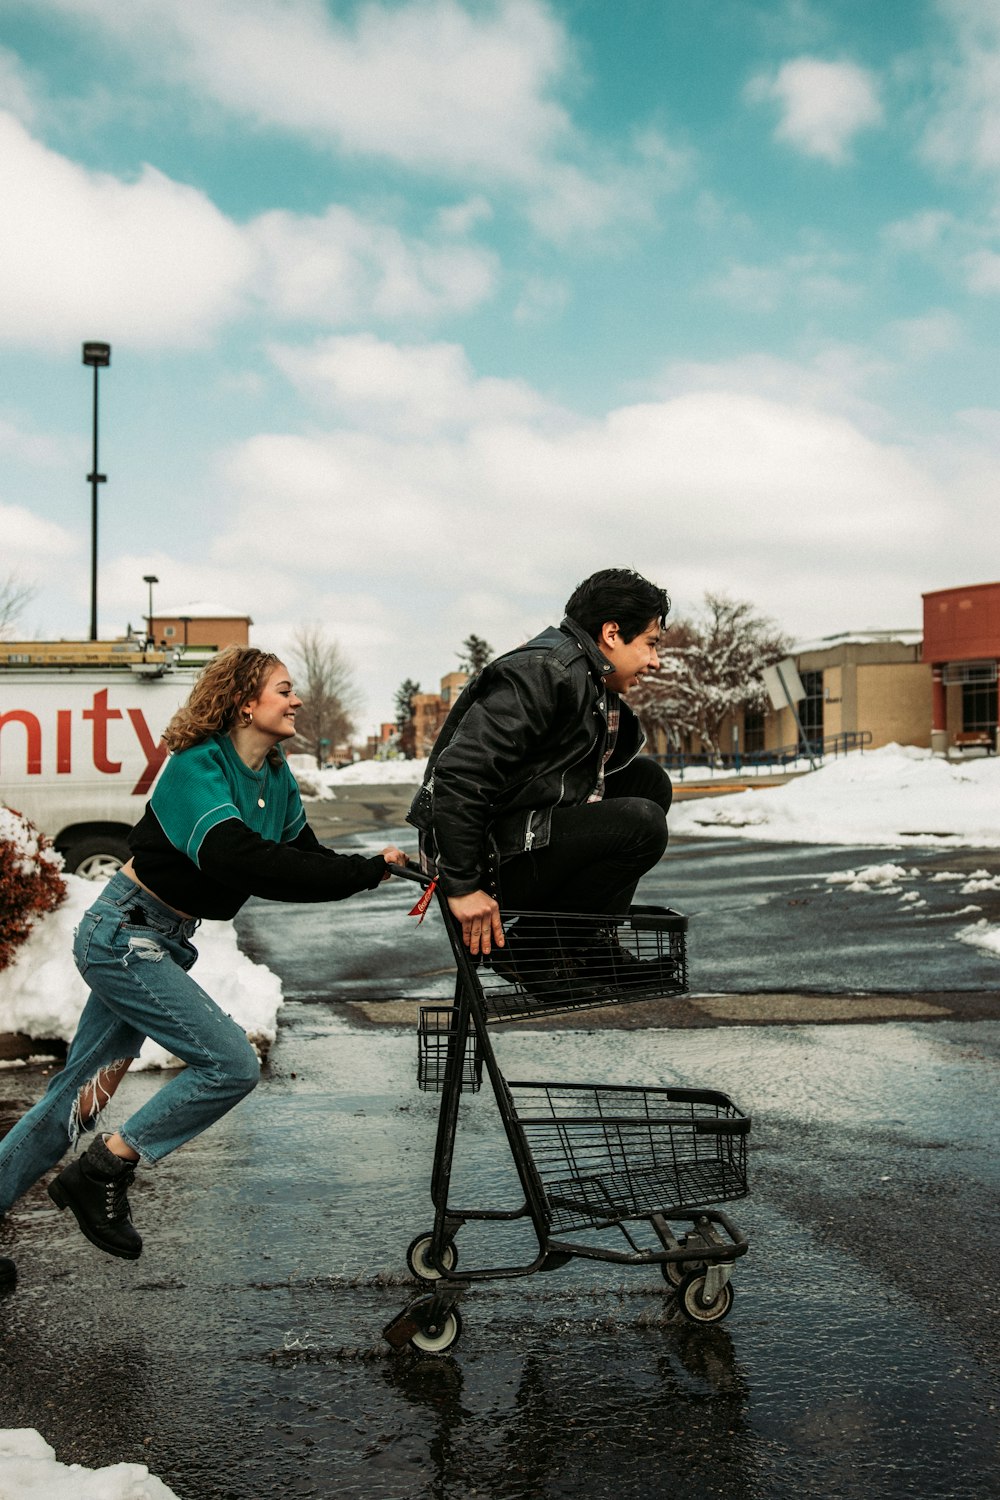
point(597, 1163)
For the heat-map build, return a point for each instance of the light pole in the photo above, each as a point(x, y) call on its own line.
point(150, 578)
point(96, 355)
point(185, 621)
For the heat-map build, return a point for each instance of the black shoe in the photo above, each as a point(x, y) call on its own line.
point(612, 967)
point(532, 970)
point(98, 1199)
point(8, 1275)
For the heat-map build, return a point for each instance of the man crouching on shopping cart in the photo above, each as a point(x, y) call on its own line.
point(536, 798)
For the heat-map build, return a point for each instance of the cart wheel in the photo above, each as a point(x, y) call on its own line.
point(691, 1294)
point(420, 1266)
point(675, 1271)
point(443, 1338)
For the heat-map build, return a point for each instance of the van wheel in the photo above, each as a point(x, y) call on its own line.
point(96, 858)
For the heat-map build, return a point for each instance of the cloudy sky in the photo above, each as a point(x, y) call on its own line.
point(421, 310)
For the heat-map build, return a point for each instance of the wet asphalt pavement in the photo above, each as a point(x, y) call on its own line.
point(241, 1356)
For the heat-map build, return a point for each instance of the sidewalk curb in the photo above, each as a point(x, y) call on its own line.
point(690, 1012)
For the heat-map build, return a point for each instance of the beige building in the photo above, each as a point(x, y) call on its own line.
point(863, 688)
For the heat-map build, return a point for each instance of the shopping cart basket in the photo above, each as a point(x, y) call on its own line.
point(596, 1162)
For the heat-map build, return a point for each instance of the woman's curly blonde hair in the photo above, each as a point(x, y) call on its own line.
point(224, 686)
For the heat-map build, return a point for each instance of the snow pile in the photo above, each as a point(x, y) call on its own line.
point(895, 795)
point(872, 877)
point(29, 1470)
point(375, 772)
point(31, 882)
point(24, 837)
point(312, 782)
point(42, 995)
point(982, 935)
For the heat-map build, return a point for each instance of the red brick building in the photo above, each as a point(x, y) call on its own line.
point(962, 647)
point(202, 625)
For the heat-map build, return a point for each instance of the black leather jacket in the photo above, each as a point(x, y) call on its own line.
point(527, 735)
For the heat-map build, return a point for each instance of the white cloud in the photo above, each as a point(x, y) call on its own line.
point(932, 333)
point(541, 298)
point(462, 218)
point(410, 389)
point(571, 200)
point(982, 271)
point(22, 444)
point(921, 233)
point(341, 267)
point(965, 127)
point(152, 261)
point(16, 89)
point(455, 90)
point(769, 498)
point(29, 541)
point(155, 264)
point(706, 474)
point(753, 288)
point(813, 277)
point(833, 379)
point(462, 503)
point(427, 83)
point(962, 250)
point(823, 104)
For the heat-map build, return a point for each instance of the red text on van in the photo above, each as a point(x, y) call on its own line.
point(99, 715)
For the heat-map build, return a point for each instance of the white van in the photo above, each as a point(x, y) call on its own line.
point(80, 748)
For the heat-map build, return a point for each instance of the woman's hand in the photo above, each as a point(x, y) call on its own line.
point(479, 915)
point(392, 856)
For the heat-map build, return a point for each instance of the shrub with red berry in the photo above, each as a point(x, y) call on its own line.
point(30, 882)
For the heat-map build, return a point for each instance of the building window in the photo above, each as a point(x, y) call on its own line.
point(168, 631)
point(753, 731)
point(979, 707)
point(811, 708)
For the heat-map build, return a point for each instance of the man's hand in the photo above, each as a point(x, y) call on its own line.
point(392, 856)
point(479, 915)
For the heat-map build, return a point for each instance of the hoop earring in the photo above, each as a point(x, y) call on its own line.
point(246, 717)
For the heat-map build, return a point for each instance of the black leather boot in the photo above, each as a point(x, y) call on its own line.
point(8, 1275)
point(94, 1188)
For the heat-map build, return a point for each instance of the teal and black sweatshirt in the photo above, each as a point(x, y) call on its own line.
point(215, 832)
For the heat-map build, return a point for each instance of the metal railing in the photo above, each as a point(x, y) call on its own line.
point(778, 758)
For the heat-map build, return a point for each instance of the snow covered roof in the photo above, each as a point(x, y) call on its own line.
point(858, 638)
point(200, 611)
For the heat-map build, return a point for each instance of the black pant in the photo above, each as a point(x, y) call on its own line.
point(597, 852)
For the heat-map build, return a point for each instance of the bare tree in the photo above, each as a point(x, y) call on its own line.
point(668, 701)
point(14, 597)
point(325, 682)
point(710, 667)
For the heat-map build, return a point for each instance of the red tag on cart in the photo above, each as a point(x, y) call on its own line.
point(420, 910)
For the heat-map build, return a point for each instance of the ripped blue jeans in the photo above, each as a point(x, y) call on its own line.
point(135, 954)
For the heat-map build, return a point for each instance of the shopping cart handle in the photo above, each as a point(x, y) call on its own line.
point(410, 872)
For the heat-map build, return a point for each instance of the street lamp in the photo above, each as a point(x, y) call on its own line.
point(150, 578)
point(185, 621)
point(95, 355)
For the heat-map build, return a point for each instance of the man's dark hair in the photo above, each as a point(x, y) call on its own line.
point(619, 594)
